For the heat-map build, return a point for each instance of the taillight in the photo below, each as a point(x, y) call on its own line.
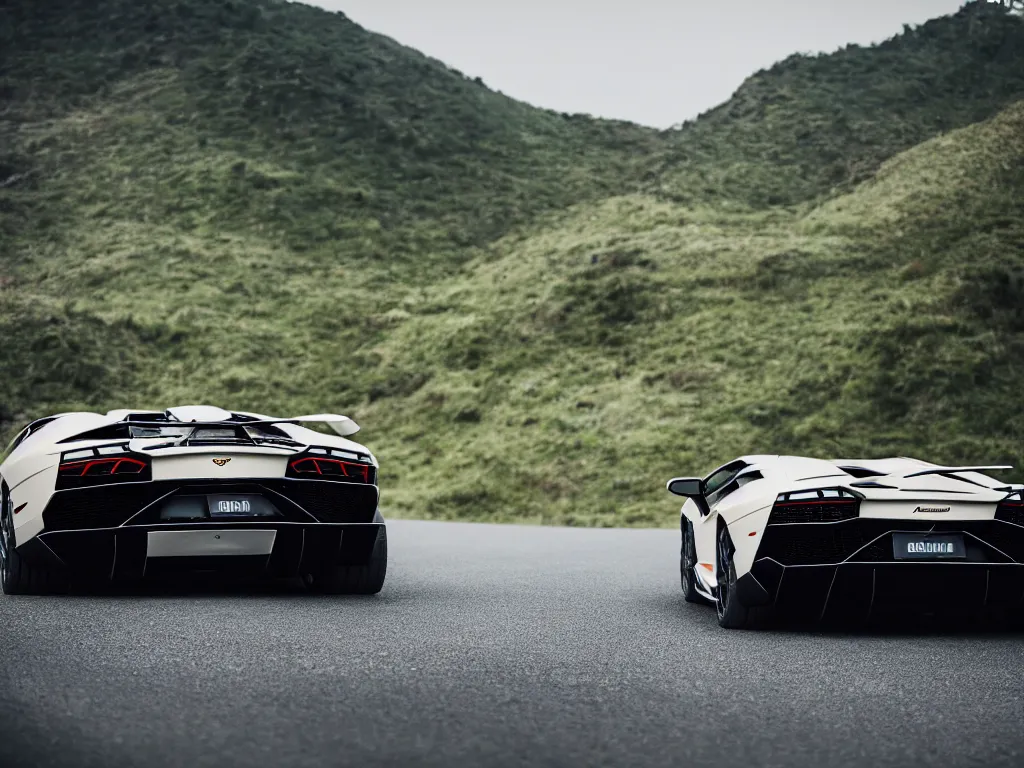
point(99, 466)
point(1011, 509)
point(326, 466)
point(830, 505)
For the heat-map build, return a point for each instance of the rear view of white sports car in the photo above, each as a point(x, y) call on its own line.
point(86, 497)
point(809, 539)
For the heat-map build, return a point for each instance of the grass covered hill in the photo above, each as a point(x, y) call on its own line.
point(634, 339)
point(286, 116)
point(536, 316)
point(818, 125)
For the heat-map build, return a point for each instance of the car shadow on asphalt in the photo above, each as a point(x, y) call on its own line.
point(202, 586)
point(894, 624)
point(913, 626)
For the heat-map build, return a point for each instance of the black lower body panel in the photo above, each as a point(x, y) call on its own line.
point(116, 554)
point(114, 532)
point(853, 591)
point(110, 506)
point(857, 576)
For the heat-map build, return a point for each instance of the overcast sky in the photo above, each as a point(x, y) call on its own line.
point(654, 62)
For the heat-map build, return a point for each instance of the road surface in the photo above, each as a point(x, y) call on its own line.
point(490, 646)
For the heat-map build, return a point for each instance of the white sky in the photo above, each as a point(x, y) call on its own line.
point(654, 62)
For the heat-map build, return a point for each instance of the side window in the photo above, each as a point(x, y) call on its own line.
point(19, 439)
point(722, 482)
point(30, 429)
point(736, 483)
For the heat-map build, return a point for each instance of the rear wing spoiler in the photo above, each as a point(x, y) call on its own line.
point(953, 470)
point(342, 425)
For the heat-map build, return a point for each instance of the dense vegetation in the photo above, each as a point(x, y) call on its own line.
point(535, 316)
point(815, 125)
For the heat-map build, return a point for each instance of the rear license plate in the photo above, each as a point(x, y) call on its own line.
point(209, 542)
point(245, 506)
point(928, 546)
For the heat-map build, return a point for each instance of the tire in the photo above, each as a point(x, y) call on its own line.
point(687, 563)
point(731, 613)
point(367, 579)
point(18, 577)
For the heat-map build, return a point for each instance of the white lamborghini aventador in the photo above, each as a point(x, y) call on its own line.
point(813, 539)
point(85, 496)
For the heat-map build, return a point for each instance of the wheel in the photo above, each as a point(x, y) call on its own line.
point(367, 579)
point(687, 563)
point(731, 613)
point(18, 577)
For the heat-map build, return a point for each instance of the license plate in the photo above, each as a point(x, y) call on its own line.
point(928, 546)
point(202, 543)
point(224, 506)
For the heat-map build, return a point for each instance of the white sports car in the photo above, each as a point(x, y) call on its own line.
point(810, 539)
point(87, 497)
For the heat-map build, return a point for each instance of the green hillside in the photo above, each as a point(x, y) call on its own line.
point(535, 316)
point(289, 120)
point(634, 339)
point(815, 125)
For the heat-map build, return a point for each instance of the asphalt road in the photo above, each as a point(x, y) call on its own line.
point(490, 646)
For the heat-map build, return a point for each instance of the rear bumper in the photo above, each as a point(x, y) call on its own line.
point(858, 590)
point(131, 504)
point(848, 570)
point(128, 553)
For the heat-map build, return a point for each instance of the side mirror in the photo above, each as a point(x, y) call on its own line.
point(686, 486)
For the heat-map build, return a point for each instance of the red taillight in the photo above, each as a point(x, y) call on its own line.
point(829, 506)
point(101, 466)
point(118, 465)
point(1011, 509)
point(335, 468)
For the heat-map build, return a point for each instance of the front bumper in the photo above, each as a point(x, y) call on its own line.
point(847, 570)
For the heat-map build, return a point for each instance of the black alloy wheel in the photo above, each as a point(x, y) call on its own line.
point(731, 613)
point(6, 536)
point(688, 565)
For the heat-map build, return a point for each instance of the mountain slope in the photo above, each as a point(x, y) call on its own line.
point(325, 112)
point(635, 339)
point(166, 168)
point(536, 317)
point(814, 124)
